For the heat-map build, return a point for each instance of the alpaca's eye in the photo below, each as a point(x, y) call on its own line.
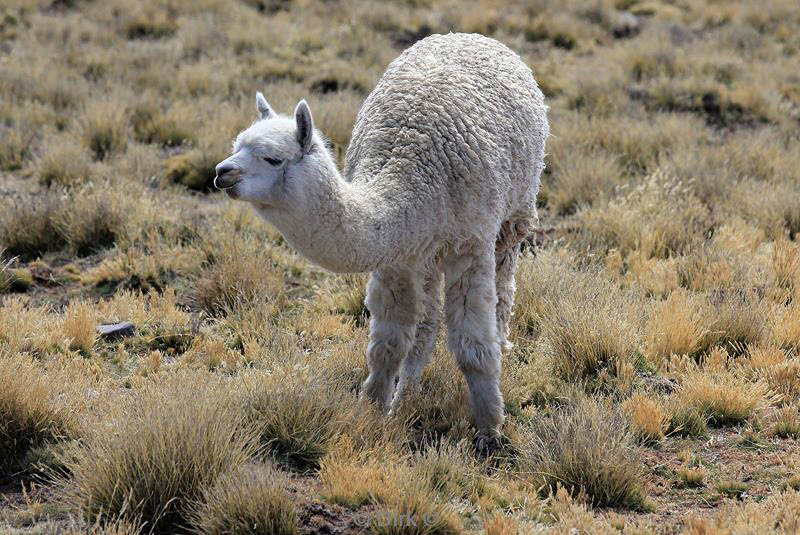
point(273, 161)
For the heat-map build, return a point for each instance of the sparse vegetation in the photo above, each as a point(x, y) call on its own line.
point(588, 449)
point(247, 501)
point(30, 414)
point(657, 311)
point(161, 452)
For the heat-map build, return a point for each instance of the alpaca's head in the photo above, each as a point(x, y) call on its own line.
point(267, 155)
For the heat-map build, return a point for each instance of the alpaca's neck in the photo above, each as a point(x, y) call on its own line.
point(347, 226)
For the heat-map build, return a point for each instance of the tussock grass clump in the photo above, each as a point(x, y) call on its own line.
point(658, 218)
point(440, 407)
point(647, 418)
point(738, 320)
point(594, 334)
point(85, 220)
point(787, 422)
point(562, 29)
point(771, 515)
point(581, 179)
point(784, 378)
point(175, 126)
point(355, 477)
point(104, 129)
point(26, 328)
point(28, 227)
point(16, 148)
point(686, 420)
point(297, 420)
point(148, 22)
point(159, 452)
point(80, 326)
point(395, 483)
point(786, 264)
point(63, 163)
point(427, 515)
point(786, 326)
point(407, 498)
point(691, 477)
point(194, 169)
point(449, 469)
point(586, 448)
point(248, 501)
point(237, 273)
point(675, 327)
point(30, 417)
point(721, 396)
point(344, 295)
point(92, 219)
point(13, 279)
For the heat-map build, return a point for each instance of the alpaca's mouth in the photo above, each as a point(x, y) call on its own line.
point(231, 191)
point(226, 181)
point(227, 184)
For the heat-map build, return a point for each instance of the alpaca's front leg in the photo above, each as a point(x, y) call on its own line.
point(393, 298)
point(420, 355)
point(470, 301)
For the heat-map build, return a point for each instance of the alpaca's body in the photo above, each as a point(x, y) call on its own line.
point(439, 189)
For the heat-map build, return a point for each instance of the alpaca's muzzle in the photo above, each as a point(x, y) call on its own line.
point(228, 175)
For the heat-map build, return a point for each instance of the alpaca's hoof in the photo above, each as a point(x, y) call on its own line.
point(486, 445)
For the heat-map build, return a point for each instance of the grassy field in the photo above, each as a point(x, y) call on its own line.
point(654, 384)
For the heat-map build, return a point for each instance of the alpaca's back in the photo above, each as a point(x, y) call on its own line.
point(456, 127)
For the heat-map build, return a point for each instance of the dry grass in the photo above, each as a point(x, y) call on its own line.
point(248, 501)
point(429, 517)
point(299, 420)
point(156, 457)
point(104, 132)
point(588, 449)
point(230, 280)
point(63, 163)
point(722, 397)
point(30, 414)
point(647, 418)
point(662, 284)
point(353, 477)
point(773, 515)
point(658, 218)
point(692, 477)
point(594, 334)
point(787, 422)
point(80, 326)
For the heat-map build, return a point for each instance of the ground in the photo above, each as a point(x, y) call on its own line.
point(653, 384)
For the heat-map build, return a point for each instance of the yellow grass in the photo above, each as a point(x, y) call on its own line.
point(661, 288)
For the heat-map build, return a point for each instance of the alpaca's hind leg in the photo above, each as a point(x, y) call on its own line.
point(393, 299)
point(470, 301)
point(507, 249)
point(420, 355)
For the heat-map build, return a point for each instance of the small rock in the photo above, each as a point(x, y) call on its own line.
point(114, 331)
point(628, 25)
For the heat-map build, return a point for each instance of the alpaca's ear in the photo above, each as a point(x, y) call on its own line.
point(263, 107)
point(305, 126)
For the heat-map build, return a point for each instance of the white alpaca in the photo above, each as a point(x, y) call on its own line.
point(440, 181)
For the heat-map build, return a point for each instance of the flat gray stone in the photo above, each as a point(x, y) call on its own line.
point(113, 331)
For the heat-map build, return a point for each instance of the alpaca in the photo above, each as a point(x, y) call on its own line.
point(439, 190)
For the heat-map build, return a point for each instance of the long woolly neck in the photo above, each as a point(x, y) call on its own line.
point(346, 227)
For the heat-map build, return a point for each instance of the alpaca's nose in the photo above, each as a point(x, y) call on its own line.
point(227, 175)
